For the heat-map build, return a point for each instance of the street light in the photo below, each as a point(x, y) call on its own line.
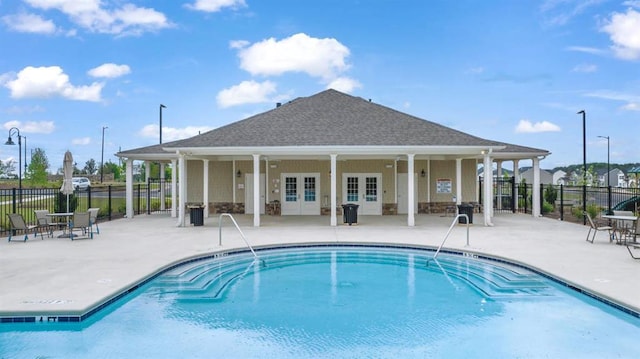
point(584, 165)
point(25, 155)
point(102, 156)
point(608, 175)
point(161, 107)
point(14, 131)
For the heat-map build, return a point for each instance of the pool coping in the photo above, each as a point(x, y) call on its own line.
point(78, 316)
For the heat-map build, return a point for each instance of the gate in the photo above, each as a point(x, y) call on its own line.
point(158, 195)
point(504, 195)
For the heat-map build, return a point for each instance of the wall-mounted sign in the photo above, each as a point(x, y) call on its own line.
point(443, 185)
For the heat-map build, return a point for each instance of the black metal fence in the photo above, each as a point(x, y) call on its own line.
point(563, 202)
point(110, 199)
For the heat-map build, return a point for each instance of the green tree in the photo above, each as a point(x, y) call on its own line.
point(7, 168)
point(111, 167)
point(90, 167)
point(37, 169)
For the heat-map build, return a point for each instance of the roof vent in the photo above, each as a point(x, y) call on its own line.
point(278, 104)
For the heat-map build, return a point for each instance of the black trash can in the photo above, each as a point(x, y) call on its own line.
point(197, 215)
point(350, 213)
point(467, 209)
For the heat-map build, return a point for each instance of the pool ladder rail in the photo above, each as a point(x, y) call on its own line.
point(255, 256)
point(449, 232)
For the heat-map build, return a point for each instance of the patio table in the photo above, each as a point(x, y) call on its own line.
point(617, 229)
point(62, 220)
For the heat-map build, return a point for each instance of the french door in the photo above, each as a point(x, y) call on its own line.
point(363, 189)
point(300, 193)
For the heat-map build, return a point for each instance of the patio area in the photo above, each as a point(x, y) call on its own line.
point(56, 276)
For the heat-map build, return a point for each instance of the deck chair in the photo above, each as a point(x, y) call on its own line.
point(631, 246)
point(93, 212)
point(44, 222)
point(81, 221)
point(17, 223)
point(595, 229)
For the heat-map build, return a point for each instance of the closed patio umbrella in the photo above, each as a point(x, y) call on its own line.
point(67, 170)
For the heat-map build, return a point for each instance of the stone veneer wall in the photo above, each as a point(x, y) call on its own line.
point(226, 207)
point(389, 209)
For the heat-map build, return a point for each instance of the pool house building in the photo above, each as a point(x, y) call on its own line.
point(313, 154)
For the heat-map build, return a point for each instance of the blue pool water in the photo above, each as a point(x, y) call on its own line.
point(342, 302)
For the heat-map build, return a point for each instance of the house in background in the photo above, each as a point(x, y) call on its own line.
point(560, 178)
point(313, 154)
point(527, 173)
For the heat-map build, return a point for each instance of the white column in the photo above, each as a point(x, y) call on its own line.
point(535, 195)
point(129, 188)
point(205, 187)
point(411, 220)
point(334, 195)
point(256, 190)
point(488, 189)
point(174, 190)
point(147, 171)
point(516, 175)
point(428, 181)
point(458, 181)
point(182, 185)
point(162, 189)
point(499, 188)
point(477, 183)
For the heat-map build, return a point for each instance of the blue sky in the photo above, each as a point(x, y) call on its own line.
point(516, 71)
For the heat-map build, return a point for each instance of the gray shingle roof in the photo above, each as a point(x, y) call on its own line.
point(329, 118)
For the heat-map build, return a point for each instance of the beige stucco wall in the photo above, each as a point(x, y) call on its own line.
point(221, 178)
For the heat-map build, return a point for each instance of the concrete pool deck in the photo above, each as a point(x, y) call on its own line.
point(56, 276)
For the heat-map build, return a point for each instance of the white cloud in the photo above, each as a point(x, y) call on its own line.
point(324, 58)
point(45, 127)
point(525, 126)
point(83, 141)
point(585, 68)
point(238, 44)
point(94, 16)
point(624, 32)
point(215, 5)
point(588, 50)
point(344, 84)
point(109, 70)
point(172, 134)
point(45, 82)
point(246, 92)
point(632, 106)
point(29, 23)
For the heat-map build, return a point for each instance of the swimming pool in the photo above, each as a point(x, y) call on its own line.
point(340, 302)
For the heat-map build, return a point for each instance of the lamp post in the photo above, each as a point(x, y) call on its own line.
point(608, 175)
point(161, 107)
point(16, 131)
point(102, 156)
point(584, 165)
point(25, 155)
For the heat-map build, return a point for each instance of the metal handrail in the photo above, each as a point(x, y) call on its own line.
point(239, 230)
point(449, 231)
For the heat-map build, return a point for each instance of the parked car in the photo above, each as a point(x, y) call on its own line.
point(81, 183)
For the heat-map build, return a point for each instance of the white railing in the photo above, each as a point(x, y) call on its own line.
point(239, 230)
point(449, 231)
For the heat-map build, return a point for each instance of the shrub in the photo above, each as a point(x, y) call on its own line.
point(547, 207)
point(550, 195)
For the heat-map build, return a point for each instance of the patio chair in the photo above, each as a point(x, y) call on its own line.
point(81, 221)
point(93, 212)
point(17, 223)
point(631, 246)
point(595, 228)
point(44, 222)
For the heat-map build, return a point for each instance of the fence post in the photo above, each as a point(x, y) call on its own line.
point(526, 197)
point(149, 196)
point(138, 199)
point(541, 197)
point(88, 197)
point(13, 200)
point(109, 203)
point(561, 202)
point(609, 200)
point(480, 190)
point(514, 197)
